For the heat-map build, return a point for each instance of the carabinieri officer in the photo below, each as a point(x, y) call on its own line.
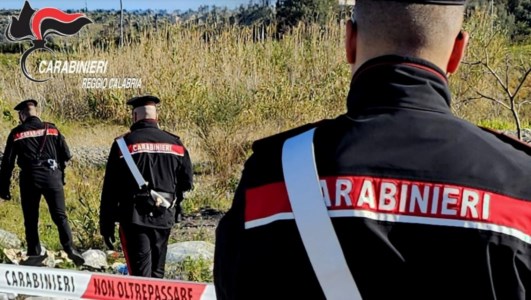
point(164, 163)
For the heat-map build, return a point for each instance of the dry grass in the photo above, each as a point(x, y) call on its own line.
point(219, 94)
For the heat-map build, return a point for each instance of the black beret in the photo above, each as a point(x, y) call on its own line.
point(438, 2)
point(25, 104)
point(143, 101)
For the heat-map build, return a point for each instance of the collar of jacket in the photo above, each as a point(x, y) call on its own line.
point(398, 82)
point(32, 119)
point(145, 123)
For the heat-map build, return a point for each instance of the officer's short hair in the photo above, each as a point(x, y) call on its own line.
point(409, 25)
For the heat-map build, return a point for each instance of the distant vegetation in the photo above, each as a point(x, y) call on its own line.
point(513, 15)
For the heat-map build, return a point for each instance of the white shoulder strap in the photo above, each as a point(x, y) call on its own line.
point(131, 163)
point(312, 219)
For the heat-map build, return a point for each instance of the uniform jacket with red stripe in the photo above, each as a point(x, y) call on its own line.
point(23, 146)
point(425, 205)
point(162, 160)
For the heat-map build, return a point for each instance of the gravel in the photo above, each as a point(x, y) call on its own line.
point(86, 156)
point(526, 134)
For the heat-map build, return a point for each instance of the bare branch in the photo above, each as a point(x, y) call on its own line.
point(470, 99)
point(491, 39)
point(494, 100)
point(500, 81)
point(507, 70)
point(522, 81)
point(471, 63)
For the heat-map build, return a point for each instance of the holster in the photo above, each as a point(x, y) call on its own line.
point(46, 163)
point(145, 203)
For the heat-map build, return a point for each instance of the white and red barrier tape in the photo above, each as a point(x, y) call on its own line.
point(38, 281)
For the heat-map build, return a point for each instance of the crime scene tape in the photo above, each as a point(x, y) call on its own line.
point(70, 284)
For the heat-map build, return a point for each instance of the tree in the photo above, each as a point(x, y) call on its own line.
point(291, 12)
point(515, 15)
point(494, 70)
point(522, 14)
point(254, 14)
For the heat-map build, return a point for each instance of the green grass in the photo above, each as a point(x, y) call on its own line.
point(502, 124)
point(199, 270)
point(82, 203)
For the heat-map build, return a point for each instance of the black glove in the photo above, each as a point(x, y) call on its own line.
point(107, 232)
point(5, 196)
point(63, 172)
point(109, 241)
point(178, 212)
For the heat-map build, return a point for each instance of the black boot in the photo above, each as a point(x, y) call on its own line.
point(75, 256)
point(35, 260)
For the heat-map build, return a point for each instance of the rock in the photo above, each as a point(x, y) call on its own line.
point(526, 134)
point(50, 261)
point(9, 240)
point(195, 250)
point(95, 259)
point(179, 252)
point(13, 255)
point(90, 156)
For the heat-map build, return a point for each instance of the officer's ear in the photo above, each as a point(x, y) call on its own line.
point(21, 116)
point(458, 52)
point(351, 35)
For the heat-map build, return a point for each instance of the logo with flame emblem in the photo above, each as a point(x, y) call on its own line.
point(35, 25)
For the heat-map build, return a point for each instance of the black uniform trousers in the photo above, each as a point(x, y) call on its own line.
point(145, 249)
point(30, 194)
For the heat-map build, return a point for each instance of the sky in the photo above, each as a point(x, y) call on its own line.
point(169, 5)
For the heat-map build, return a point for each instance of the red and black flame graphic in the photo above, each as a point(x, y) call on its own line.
point(35, 25)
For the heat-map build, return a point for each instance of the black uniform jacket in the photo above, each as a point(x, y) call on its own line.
point(24, 144)
point(163, 162)
point(425, 205)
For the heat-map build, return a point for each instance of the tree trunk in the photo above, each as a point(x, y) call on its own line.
point(517, 121)
point(121, 24)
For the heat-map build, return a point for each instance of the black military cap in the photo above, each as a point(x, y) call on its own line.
point(143, 101)
point(25, 104)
